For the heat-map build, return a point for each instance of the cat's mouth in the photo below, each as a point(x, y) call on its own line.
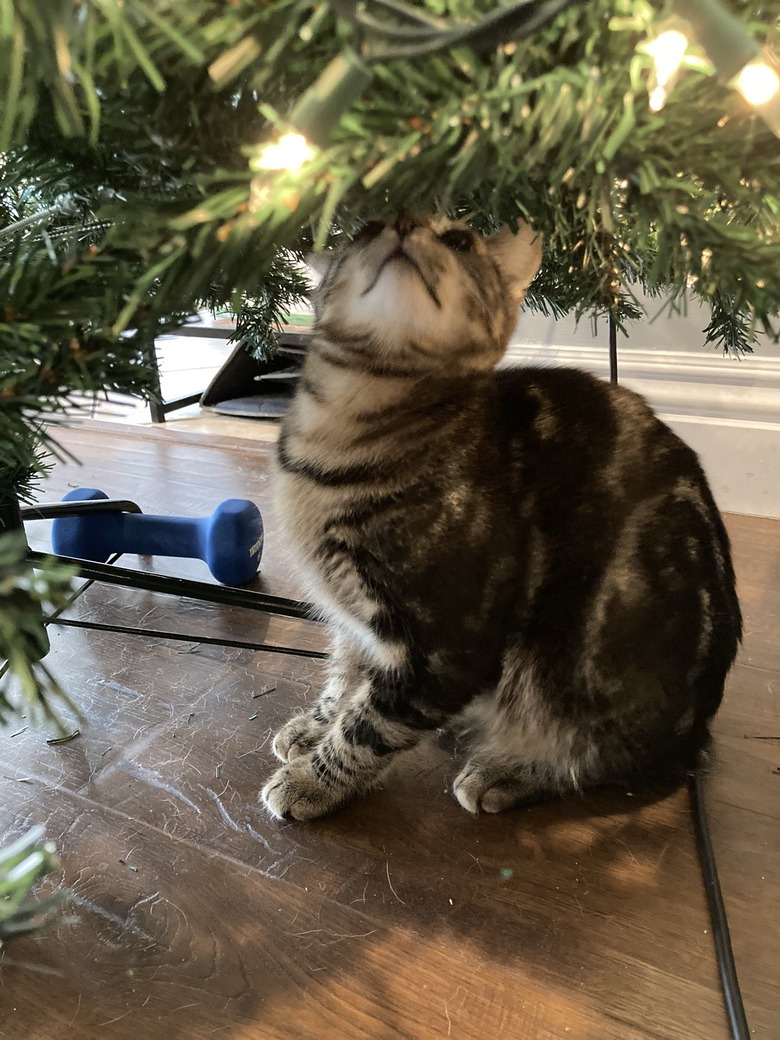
point(398, 254)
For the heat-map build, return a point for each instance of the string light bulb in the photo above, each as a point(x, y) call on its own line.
point(759, 84)
point(667, 50)
point(736, 56)
point(290, 152)
point(316, 113)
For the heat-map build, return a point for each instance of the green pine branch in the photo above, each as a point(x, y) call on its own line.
point(27, 596)
point(22, 864)
point(547, 127)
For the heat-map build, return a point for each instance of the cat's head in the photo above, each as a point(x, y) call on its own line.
point(429, 289)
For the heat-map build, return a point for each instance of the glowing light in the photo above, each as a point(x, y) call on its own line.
point(290, 152)
point(657, 99)
point(667, 51)
point(758, 82)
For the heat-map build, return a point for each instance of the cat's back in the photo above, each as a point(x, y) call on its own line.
point(611, 483)
point(577, 430)
point(568, 402)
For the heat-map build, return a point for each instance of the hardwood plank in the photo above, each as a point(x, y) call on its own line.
point(192, 945)
point(600, 889)
point(586, 914)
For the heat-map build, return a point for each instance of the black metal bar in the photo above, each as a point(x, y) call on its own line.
point(203, 331)
point(613, 357)
point(295, 339)
point(181, 402)
point(154, 633)
point(183, 587)
point(156, 412)
point(283, 336)
point(57, 510)
point(156, 404)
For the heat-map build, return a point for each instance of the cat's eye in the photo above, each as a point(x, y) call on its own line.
point(458, 239)
point(369, 231)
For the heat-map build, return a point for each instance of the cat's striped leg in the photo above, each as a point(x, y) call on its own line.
point(519, 752)
point(303, 731)
point(370, 727)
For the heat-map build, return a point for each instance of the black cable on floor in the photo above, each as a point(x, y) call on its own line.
point(732, 996)
point(154, 633)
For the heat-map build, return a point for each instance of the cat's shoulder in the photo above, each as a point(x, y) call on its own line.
point(518, 378)
point(563, 389)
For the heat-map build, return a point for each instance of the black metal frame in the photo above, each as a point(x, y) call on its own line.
point(187, 588)
point(613, 351)
point(183, 637)
point(53, 510)
point(12, 517)
point(159, 409)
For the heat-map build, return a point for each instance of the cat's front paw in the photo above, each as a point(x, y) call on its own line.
point(480, 788)
point(296, 737)
point(295, 792)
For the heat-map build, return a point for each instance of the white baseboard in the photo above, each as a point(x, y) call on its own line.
point(727, 410)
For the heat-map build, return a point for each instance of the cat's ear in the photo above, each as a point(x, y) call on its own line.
point(518, 255)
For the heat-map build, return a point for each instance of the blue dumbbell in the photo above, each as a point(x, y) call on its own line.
point(230, 541)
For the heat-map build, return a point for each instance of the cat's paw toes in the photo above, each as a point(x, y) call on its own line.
point(478, 789)
point(468, 787)
point(497, 799)
point(295, 792)
point(296, 737)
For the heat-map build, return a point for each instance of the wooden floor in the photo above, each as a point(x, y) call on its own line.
point(193, 915)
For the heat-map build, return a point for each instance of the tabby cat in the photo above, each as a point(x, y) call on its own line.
point(525, 556)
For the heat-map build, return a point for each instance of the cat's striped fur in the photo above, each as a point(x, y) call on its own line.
point(527, 556)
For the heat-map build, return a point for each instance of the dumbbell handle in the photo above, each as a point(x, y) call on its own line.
point(170, 536)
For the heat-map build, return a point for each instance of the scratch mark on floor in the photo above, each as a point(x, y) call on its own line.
point(115, 919)
point(390, 883)
point(259, 838)
point(223, 811)
point(154, 780)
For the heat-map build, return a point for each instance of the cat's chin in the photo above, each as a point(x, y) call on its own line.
point(399, 296)
point(392, 326)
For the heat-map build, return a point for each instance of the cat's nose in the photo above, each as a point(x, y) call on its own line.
point(405, 223)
